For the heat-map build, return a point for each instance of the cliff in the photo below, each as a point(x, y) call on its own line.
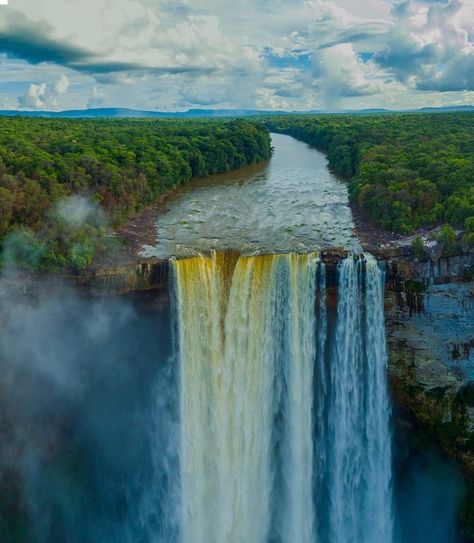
point(429, 312)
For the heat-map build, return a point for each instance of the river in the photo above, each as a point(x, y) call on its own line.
point(291, 204)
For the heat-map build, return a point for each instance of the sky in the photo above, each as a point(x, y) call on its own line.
point(172, 55)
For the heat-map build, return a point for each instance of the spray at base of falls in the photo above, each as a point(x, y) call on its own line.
point(284, 426)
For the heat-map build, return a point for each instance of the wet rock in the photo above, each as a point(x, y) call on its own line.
point(102, 281)
point(429, 312)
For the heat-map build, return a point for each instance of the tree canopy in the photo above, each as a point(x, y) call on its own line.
point(120, 165)
point(406, 171)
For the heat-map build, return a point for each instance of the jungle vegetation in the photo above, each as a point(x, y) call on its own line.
point(119, 166)
point(405, 171)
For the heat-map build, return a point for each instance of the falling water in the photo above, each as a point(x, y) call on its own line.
point(284, 426)
point(297, 410)
point(358, 412)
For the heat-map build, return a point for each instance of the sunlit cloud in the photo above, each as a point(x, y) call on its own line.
point(292, 54)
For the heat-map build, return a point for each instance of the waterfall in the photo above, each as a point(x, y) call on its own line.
point(283, 423)
point(298, 461)
point(358, 411)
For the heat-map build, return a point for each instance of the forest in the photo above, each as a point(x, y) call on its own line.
point(117, 166)
point(406, 171)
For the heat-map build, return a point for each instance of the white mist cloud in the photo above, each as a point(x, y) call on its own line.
point(35, 97)
point(344, 74)
point(75, 211)
point(62, 85)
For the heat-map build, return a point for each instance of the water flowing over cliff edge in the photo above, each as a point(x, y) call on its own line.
point(284, 424)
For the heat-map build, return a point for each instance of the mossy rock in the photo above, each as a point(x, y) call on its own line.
point(437, 393)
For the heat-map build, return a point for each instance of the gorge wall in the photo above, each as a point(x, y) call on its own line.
point(429, 311)
point(429, 316)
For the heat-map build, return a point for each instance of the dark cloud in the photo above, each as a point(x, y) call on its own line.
point(405, 58)
point(369, 33)
point(348, 91)
point(22, 39)
point(458, 75)
point(289, 92)
point(105, 67)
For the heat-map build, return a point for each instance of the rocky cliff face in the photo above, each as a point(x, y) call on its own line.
point(429, 321)
point(430, 332)
point(429, 310)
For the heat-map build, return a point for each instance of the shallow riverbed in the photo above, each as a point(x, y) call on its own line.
point(291, 204)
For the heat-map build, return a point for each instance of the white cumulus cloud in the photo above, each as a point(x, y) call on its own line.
point(44, 95)
point(97, 99)
point(62, 85)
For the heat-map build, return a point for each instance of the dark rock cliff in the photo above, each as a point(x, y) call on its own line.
point(429, 312)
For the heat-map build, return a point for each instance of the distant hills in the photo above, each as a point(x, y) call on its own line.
point(199, 113)
point(125, 112)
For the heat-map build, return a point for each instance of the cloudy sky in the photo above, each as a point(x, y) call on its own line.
point(266, 54)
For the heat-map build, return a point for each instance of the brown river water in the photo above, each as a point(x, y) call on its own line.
point(293, 203)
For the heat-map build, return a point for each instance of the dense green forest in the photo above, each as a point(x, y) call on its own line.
point(121, 166)
point(406, 171)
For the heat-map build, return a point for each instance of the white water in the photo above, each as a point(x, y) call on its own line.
point(358, 411)
point(298, 460)
point(279, 438)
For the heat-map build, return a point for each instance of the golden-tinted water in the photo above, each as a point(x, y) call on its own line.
point(232, 316)
point(291, 204)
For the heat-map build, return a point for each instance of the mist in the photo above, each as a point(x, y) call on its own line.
point(88, 407)
point(428, 487)
point(70, 236)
